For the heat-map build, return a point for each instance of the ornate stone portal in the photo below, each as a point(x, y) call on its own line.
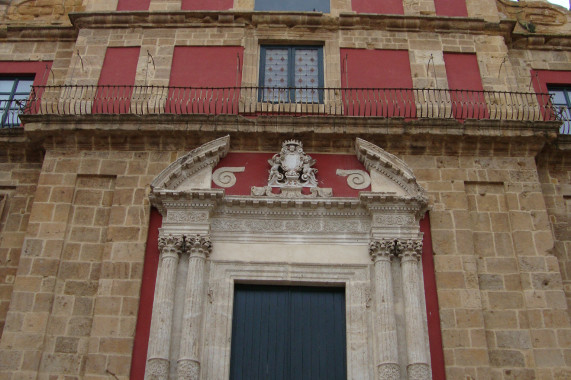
point(209, 240)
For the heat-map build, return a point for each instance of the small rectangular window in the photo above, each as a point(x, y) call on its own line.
point(561, 98)
point(291, 74)
point(292, 5)
point(14, 91)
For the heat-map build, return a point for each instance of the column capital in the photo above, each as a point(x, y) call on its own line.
point(382, 249)
point(411, 249)
point(170, 245)
point(198, 245)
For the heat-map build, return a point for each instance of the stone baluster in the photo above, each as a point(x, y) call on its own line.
point(381, 252)
point(409, 252)
point(161, 323)
point(199, 248)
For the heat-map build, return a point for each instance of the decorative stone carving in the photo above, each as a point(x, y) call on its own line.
point(187, 216)
point(291, 170)
point(170, 245)
point(410, 250)
point(418, 371)
point(533, 12)
point(157, 369)
point(356, 179)
point(224, 177)
point(292, 192)
point(382, 249)
point(389, 371)
point(393, 220)
point(292, 167)
point(198, 244)
point(188, 370)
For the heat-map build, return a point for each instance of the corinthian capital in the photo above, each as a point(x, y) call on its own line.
point(198, 245)
point(382, 249)
point(170, 244)
point(411, 249)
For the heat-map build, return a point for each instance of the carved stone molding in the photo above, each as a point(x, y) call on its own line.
point(200, 245)
point(388, 371)
point(170, 245)
point(383, 249)
point(411, 250)
point(390, 166)
point(187, 216)
point(205, 155)
point(188, 370)
point(157, 369)
point(292, 192)
point(393, 220)
point(224, 177)
point(356, 179)
point(418, 371)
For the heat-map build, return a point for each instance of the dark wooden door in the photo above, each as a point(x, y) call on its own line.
point(287, 333)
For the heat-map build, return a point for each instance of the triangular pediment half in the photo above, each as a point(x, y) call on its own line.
point(389, 174)
point(194, 169)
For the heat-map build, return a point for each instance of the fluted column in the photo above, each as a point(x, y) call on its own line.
point(199, 248)
point(409, 253)
point(159, 341)
point(381, 252)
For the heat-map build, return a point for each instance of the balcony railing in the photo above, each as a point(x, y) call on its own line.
point(259, 101)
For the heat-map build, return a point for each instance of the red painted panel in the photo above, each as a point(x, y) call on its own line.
point(378, 70)
point(142, 331)
point(133, 5)
point(432, 309)
point(378, 6)
point(541, 79)
point(463, 74)
point(117, 75)
point(453, 8)
point(257, 170)
point(205, 66)
point(206, 5)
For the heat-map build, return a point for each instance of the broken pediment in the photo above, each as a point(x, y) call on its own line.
point(289, 173)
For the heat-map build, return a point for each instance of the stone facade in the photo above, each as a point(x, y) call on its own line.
point(76, 193)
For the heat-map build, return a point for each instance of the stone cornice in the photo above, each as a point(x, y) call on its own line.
point(31, 32)
point(186, 19)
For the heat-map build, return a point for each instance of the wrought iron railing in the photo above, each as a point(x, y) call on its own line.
point(10, 111)
point(257, 101)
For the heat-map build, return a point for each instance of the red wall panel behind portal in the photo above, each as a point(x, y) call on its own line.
point(394, 7)
point(431, 297)
point(456, 8)
point(133, 5)
point(206, 5)
point(141, 343)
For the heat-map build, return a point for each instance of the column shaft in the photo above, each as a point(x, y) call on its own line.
point(418, 367)
point(189, 359)
point(385, 323)
point(161, 323)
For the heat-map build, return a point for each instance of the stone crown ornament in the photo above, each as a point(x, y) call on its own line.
point(291, 170)
point(292, 167)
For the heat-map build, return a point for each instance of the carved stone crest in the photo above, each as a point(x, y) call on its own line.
point(291, 170)
point(292, 167)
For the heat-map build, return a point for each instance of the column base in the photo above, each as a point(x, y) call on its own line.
point(388, 371)
point(157, 369)
point(418, 371)
point(188, 369)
